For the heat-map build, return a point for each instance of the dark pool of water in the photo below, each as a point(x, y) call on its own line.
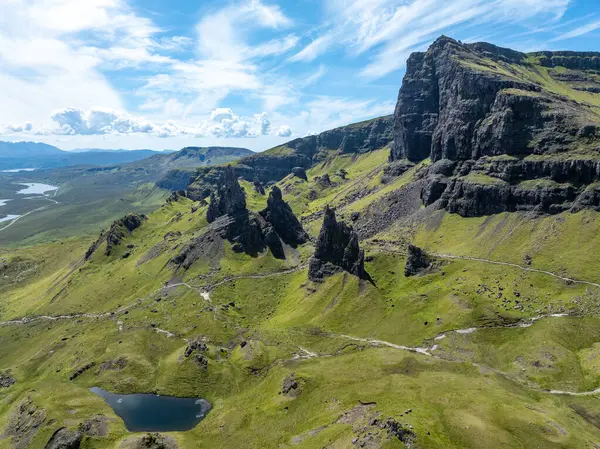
point(152, 413)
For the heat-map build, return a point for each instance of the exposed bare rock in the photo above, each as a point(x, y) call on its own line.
point(208, 246)
point(299, 172)
point(195, 345)
point(417, 261)
point(337, 249)
point(113, 365)
point(230, 200)
point(82, 370)
point(64, 438)
point(6, 380)
point(119, 230)
point(150, 441)
point(291, 386)
point(96, 426)
point(280, 215)
point(258, 187)
point(24, 423)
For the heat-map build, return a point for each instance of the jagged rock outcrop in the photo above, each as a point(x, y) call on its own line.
point(300, 172)
point(64, 438)
point(502, 139)
point(281, 217)
point(248, 232)
point(79, 371)
point(24, 423)
point(291, 386)
point(150, 441)
point(337, 249)
point(117, 232)
point(417, 261)
point(7, 380)
point(231, 199)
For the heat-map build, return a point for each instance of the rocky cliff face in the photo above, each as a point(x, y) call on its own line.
point(337, 249)
point(507, 130)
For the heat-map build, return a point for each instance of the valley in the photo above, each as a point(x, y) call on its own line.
point(422, 280)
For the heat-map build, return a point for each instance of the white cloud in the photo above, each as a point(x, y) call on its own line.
point(390, 29)
point(315, 49)
point(579, 31)
point(222, 123)
point(316, 76)
point(284, 131)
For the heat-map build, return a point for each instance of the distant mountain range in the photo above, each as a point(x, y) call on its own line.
point(14, 155)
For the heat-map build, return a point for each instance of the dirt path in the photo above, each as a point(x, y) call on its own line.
point(514, 265)
point(203, 291)
point(492, 262)
point(211, 287)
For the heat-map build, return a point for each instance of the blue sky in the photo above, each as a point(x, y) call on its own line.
point(254, 73)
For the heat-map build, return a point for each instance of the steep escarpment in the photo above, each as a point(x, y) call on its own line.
point(302, 153)
point(507, 130)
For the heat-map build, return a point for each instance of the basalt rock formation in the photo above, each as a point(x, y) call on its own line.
point(248, 232)
point(337, 249)
point(299, 172)
point(64, 438)
point(258, 187)
point(281, 217)
point(417, 261)
point(507, 131)
point(230, 200)
point(117, 232)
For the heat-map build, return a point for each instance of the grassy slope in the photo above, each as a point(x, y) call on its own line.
point(455, 403)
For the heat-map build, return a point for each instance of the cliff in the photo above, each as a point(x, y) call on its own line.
point(506, 130)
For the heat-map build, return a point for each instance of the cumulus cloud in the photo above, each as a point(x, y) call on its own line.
point(222, 122)
point(284, 131)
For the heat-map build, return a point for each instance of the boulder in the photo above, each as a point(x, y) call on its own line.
point(291, 386)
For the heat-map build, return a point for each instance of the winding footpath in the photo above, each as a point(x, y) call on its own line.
point(492, 262)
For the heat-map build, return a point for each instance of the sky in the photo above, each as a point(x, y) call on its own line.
point(160, 74)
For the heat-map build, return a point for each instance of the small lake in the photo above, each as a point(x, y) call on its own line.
point(35, 188)
point(153, 413)
point(17, 170)
point(9, 218)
